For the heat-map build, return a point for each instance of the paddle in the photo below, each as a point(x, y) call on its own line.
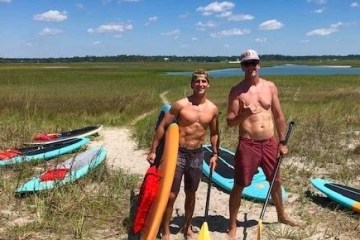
point(291, 124)
point(204, 231)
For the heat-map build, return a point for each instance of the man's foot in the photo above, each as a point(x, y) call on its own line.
point(165, 237)
point(288, 221)
point(231, 234)
point(188, 232)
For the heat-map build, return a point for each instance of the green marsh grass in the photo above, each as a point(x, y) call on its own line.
point(54, 97)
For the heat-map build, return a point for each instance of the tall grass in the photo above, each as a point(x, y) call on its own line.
point(36, 98)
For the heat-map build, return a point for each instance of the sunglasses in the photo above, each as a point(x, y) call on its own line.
point(250, 63)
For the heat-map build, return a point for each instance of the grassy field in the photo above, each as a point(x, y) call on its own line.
point(54, 97)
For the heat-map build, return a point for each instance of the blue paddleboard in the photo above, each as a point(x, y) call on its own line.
point(65, 172)
point(44, 152)
point(223, 176)
point(344, 195)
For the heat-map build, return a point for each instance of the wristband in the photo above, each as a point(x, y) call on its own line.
point(282, 142)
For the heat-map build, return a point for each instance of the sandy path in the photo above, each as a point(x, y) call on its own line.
point(123, 153)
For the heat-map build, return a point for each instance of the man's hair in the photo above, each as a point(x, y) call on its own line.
point(198, 72)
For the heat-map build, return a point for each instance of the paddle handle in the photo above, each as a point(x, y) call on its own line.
point(289, 130)
point(208, 194)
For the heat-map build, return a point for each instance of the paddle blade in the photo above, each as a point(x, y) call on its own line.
point(204, 232)
point(259, 229)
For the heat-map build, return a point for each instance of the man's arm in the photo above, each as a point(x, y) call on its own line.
point(279, 119)
point(214, 139)
point(278, 114)
point(160, 132)
point(233, 117)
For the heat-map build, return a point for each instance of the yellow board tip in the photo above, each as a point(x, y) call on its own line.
point(204, 233)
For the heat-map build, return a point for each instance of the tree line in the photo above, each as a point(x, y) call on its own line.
point(173, 58)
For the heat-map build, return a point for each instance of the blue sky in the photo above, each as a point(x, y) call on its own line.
point(67, 28)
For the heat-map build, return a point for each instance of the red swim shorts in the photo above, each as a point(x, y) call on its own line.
point(252, 154)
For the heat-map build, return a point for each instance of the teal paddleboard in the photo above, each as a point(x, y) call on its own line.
point(65, 172)
point(41, 152)
point(344, 195)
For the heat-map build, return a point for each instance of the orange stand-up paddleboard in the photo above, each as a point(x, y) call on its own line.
point(166, 170)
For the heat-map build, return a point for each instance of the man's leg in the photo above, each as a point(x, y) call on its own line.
point(167, 216)
point(277, 199)
point(189, 211)
point(234, 205)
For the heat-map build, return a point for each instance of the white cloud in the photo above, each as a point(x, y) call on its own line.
point(322, 32)
point(5, 1)
point(151, 20)
point(224, 14)
point(50, 32)
point(172, 34)
point(260, 40)
point(220, 8)
point(230, 33)
point(194, 39)
point(96, 43)
point(51, 16)
point(130, 0)
point(240, 17)
point(320, 10)
point(111, 28)
point(326, 31)
point(271, 25)
point(354, 5)
point(320, 2)
point(337, 25)
point(203, 26)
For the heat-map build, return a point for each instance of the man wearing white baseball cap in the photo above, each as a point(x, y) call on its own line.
point(249, 55)
point(254, 107)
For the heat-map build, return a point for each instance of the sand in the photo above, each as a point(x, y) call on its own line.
point(124, 154)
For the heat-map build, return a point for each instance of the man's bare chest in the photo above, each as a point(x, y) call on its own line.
point(256, 97)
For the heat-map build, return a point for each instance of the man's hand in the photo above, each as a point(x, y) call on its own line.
point(213, 161)
point(151, 157)
point(283, 149)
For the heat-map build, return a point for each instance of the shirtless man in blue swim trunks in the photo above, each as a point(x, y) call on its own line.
point(254, 107)
point(194, 114)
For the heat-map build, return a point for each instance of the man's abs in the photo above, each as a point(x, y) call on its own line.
point(191, 137)
point(257, 126)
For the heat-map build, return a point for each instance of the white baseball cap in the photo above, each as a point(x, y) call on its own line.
point(249, 55)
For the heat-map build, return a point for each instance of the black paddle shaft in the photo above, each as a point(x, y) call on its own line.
point(208, 194)
point(291, 125)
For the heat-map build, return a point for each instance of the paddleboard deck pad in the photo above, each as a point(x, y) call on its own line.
point(223, 175)
point(344, 195)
